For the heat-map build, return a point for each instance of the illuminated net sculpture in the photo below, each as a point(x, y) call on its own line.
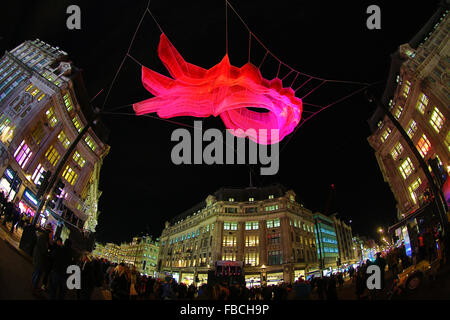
point(224, 90)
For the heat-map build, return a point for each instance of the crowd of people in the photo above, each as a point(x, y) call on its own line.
point(11, 213)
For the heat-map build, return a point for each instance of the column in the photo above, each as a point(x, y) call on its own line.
point(240, 241)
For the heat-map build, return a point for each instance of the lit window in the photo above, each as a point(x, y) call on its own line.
point(64, 140)
point(79, 159)
point(252, 258)
point(51, 117)
point(424, 145)
point(22, 154)
point(406, 88)
point(273, 223)
point(437, 119)
point(34, 92)
point(4, 123)
point(229, 241)
point(252, 225)
point(272, 208)
point(90, 143)
point(412, 189)
point(230, 226)
point(41, 97)
point(398, 112)
point(422, 103)
point(412, 128)
point(37, 174)
point(406, 168)
point(38, 133)
point(52, 155)
point(385, 134)
point(68, 102)
point(398, 149)
point(77, 123)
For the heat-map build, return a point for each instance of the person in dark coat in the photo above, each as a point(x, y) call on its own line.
point(40, 256)
point(381, 262)
point(331, 288)
point(87, 277)
point(120, 284)
point(63, 257)
point(15, 217)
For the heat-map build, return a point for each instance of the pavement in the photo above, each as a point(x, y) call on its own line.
point(16, 268)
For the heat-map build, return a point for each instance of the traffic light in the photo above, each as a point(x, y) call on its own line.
point(59, 188)
point(43, 183)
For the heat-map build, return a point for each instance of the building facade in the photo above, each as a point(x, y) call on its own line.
point(142, 253)
point(345, 241)
point(326, 239)
point(43, 107)
point(418, 94)
point(264, 228)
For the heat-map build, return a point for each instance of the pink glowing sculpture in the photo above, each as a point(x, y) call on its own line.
point(223, 90)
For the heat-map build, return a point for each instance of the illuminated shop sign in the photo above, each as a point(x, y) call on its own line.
point(30, 197)
point(9, 173)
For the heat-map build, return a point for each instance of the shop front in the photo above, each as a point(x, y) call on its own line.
point(252, 280)
point(29, 204)
point(274, 278)
point(299, 273)
point(10, 183)
point(202, 278)
point(187, 278)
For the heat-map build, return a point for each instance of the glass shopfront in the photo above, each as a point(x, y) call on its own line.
point(252, 280)
point(274, 278)
point(29, 203)
point(8, 179)
point(298, 274)
point(187, 278)
point(202, 278)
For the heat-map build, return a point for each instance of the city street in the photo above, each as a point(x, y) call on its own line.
point(16, 269)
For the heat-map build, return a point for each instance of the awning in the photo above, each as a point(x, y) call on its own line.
point(410, 217)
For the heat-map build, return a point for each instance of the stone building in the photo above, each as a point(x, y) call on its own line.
point(142, 253)
point(44, 105)
point(345, 240)
point(266, 229)
point(418, 94)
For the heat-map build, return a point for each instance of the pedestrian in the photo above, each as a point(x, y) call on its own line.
point(40, 257)
point(302, 289)
point(62, 256)
point(87, 277)
point(331, 288)
point(381, 263)
point(120, 284)
point(133, 281)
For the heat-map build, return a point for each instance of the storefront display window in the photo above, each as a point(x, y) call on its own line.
point(274, 278)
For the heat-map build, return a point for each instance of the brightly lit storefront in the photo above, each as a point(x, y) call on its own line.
point(274, 278)
point(176, 276)
point(29, 203)
point(187, 278)
point(9, 178)
point(252, 280)
point(202, 278)
point(298, 274)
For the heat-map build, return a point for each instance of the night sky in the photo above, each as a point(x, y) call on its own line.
point(141, 187)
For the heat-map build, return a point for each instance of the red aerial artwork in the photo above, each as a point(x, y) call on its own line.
point(224, 90)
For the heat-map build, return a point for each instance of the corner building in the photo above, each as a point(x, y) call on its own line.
point(418, 95)
point(44, 105)
point(264, 228)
